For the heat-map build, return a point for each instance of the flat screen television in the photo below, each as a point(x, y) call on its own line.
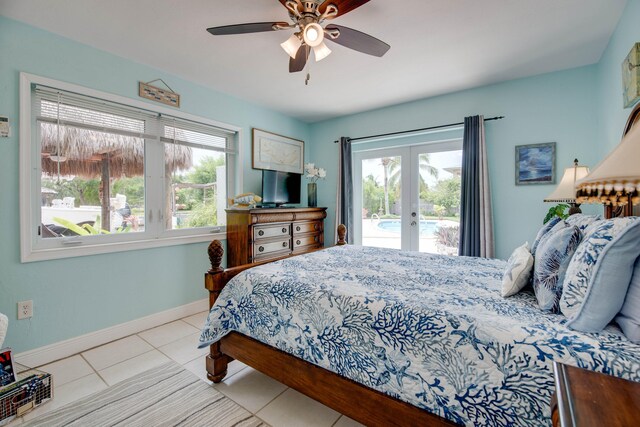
point(279, 188)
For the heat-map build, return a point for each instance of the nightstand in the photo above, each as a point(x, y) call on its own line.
point(587, 398)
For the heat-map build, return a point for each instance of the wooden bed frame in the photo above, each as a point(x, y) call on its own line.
point(348, 397)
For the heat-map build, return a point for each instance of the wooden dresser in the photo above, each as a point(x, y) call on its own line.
point(587, 398)
point(260, 234)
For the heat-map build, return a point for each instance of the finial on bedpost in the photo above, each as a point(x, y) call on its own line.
point(215, 252)
point(342, 232)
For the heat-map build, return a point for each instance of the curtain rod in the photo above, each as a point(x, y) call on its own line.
point(417, 130)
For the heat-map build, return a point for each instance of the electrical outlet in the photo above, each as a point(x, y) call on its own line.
point(25, 309)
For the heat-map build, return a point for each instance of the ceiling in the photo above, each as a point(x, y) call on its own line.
point(437, 46)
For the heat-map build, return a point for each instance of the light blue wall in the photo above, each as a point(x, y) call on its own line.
point(76, 296)
point(580, 109)
point(556, 107)
point(612, 113)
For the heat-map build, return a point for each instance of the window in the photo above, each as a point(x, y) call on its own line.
point(102, 173)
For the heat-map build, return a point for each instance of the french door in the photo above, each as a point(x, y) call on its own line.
point(408, 197)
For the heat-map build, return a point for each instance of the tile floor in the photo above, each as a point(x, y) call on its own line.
point(96, 369)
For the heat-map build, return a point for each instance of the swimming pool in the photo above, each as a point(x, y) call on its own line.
point(427, 227)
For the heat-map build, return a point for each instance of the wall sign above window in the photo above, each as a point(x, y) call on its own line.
point(154, 93)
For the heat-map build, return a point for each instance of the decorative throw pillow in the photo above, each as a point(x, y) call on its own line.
point(518, 271)
point(598, 277)
point(629, 316)
point(583, 221)
point(552, 258)
point(544, 230)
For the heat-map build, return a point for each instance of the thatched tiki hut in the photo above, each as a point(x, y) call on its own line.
point(91, 154)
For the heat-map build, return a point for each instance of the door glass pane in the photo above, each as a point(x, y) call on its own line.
point(91, 183)
point(439, 175)
point(381, 202)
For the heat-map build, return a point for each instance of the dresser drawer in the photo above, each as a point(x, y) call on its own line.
point(306, 240)
point(266, 231)
point(264, 248)
point(307, 227)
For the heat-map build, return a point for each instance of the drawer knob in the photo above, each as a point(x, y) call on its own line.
point(261, 248)
point(297, 242)
point(284, 230)
point(315, 239)
point(284, 244)
point(261, 233)
point(298, 228)
point(316, 226)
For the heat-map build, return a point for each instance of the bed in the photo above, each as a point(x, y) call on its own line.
point(399, 338)
point(426, 330)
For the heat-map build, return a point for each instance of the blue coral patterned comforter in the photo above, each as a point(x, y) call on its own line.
point(428, 329)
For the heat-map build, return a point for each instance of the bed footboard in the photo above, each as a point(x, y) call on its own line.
point(215, 280)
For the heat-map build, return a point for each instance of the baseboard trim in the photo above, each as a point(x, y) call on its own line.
point(59, 350)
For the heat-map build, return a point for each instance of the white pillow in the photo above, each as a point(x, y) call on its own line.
point(518, 272)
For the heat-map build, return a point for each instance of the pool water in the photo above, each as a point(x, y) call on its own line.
point(427, 227)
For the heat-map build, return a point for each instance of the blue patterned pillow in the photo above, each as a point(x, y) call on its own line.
point(552, 258)
point(629, 316)
point(583, 221)
point(544, 230)
point(598, 277)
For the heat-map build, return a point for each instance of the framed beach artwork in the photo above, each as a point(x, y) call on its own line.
point(536, 164)
point(631, 77)
point(277, 152)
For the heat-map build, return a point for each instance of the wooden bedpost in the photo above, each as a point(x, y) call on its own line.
point(342, 231)
point(214, 282)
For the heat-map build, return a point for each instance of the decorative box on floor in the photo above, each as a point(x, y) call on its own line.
point(32, 389)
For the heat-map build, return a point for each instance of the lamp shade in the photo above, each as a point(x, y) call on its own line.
point(292, 45)
point(565, 192)
point(321, 51)
point(313, 34)
point(616, 180)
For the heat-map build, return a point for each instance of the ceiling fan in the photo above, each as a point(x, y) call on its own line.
point(307, 18)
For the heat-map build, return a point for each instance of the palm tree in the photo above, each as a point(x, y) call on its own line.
point(391, 170)
point(388, 163)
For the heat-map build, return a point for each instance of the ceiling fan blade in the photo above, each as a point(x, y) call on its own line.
point(344, 6)
point(356, 40)
point(300, 60)
point(284, 3)
point(255, 27)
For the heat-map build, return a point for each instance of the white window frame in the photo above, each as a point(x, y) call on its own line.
point(32, 249)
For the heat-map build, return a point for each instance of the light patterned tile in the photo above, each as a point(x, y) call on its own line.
point(197, 320)
point(67, 370)
point(68, 393)
point(115, 352)
point(185, 349)
point(127, 369)
point(345, 421)
point(167, 333)
point(293, 409)
point(251, 389)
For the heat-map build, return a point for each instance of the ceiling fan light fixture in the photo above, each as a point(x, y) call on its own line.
point(321, 51)
point(313, 34)
point(291, 45)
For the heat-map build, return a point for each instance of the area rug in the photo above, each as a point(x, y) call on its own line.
point(167, 395)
